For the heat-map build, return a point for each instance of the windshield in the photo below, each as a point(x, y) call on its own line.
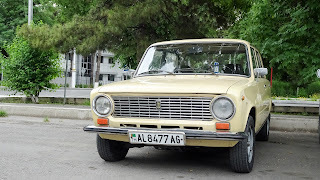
point(213, 58)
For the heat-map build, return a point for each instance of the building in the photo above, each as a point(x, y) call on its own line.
point(81, 67)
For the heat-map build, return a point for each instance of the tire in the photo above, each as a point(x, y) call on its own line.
point(263, 135)
point(111, 150)
point(242, 154)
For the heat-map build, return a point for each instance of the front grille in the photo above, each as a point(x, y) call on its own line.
point(186, 108)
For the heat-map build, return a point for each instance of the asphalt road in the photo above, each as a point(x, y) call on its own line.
point(31, 148)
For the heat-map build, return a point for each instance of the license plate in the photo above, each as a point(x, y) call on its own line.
point(157, 138)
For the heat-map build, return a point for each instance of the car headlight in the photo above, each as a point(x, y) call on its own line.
point(102, 105)
point(222, 108)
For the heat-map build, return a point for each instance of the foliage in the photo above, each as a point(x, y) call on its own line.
point(29, 70)
point(69, 8)
point(126, 28)
point(14, 13)
point(287, 33)
point(3, 113)
point(283, 89)
point(287, 89)
point(83, 86)
point(314, 88)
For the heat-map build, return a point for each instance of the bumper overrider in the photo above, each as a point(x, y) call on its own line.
point(190, 134)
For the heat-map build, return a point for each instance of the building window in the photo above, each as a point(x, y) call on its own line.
point(110, 77)
point(86, 66)
point(101, 59)
point(69, 56)
point(111, 60)
point(100, 77)
point(126, 77)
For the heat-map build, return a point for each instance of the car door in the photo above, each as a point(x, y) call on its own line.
point(265, 91)
point(259, 84)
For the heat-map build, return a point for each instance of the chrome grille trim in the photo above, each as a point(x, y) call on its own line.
point(172, 107)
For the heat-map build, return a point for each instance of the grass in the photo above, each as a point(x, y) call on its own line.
point(46, 119)
point(3, 113)
point(314, 97)
point(86, 103)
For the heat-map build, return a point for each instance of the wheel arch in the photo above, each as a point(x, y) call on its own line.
point(253, 114)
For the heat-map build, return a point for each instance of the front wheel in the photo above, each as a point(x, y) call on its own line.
point(111, 150)
point(242, 154)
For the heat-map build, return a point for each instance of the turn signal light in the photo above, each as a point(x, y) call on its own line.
point(223, 126)
point(103, 121)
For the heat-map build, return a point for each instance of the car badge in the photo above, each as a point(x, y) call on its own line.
point(158, 104)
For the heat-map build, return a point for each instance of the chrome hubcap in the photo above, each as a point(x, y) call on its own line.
point(250, 145)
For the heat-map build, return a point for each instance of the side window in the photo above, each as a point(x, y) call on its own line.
point(259, 59)
point(255, 63)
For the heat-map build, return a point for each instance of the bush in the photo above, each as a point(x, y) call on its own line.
point(29, 70)
point(302, 92)
point(280, 88)
point(314, 88)
point(84, 86)
point(285, 89)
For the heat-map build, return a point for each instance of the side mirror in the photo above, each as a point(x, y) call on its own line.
point(260, 71)
point(318, 73)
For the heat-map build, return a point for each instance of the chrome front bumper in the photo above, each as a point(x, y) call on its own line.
point(190, 134)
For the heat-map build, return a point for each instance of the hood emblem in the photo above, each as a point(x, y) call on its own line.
point(158, 104)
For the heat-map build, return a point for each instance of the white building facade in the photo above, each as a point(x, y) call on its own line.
point(82, 67)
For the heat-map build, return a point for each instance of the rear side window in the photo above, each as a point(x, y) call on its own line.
point(259, 59)
point(256, 60)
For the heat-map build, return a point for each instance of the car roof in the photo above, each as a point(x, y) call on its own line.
point(206, 40)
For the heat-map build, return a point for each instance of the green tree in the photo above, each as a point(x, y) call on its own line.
point(14, 13)
point(29, 70)
point(127, 28)
point(287, 33)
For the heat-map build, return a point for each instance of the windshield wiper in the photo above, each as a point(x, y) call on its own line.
point(157, 71)
point(194, 71)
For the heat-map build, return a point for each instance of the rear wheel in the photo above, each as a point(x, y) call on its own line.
point(242, 154)
point(263, 135)
point(111, 150)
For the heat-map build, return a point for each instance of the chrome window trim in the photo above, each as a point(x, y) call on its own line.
point(199, 42)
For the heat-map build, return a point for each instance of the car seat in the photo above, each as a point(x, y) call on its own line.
point(233, 69)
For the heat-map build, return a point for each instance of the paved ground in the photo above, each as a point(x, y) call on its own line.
point(33, 149)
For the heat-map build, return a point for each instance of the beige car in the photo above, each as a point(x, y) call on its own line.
point(187, 94)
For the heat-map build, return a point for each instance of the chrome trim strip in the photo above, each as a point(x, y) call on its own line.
point(190, 134)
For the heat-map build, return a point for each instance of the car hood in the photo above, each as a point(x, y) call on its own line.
point(199, 84)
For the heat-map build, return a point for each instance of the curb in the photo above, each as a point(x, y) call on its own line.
point(293, 123)
point(42, 110)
